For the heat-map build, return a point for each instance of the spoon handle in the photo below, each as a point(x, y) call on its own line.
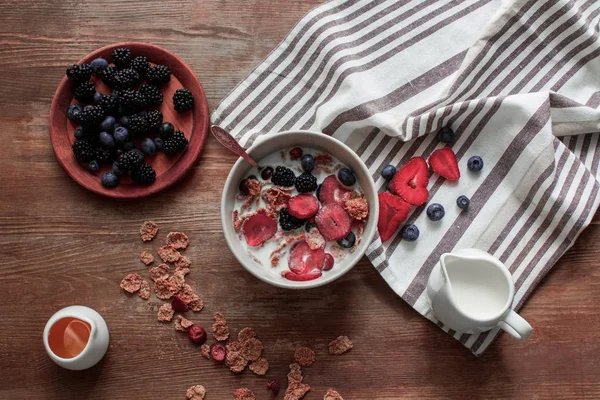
point(229, 142)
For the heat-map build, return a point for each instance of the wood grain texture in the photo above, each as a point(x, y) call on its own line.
point(62, 245)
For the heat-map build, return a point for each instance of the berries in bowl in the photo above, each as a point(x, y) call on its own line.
point(305, 215)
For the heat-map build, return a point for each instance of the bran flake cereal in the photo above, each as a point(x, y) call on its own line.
point(243, 394)
point(144, 292)
point(357, 208)
point(245, 334)
point(336, 251)
point(276, 198)
point(131, 283)
point(332, 395)
point(219, 317)
point(296, 391)
point(165, 313)
point(295, 374)
point(186, 293)
point(340, 345)
point(237, 222)
point(247, 206)
point(205, 350)
point(234, 346)
point(183, 262)
point(176, 282)
point(260, 366)
point(196, 304)
point(196, 392)
point(148, 231)
point(146, 258)
point(182, 324)
point(220, 330)
point(314, 239)
point(163, 289)
point(168, 253)
point(254, 187)
point(235, 361)
point(304, 356)
point(179, 240)
point(323, 159)
point(252, 349)
point(160, 272)
point(181, 271)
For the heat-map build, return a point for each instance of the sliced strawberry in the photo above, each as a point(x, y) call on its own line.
point(258, 229)
point(303, 260)
point(303, 206)
point(301, 278)
point(411, 182)
point(392, 211)
point(443, 162)
point(332, 191)
point(333, 222)
point(328, 263)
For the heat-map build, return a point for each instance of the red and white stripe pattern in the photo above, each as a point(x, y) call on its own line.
point(516, 80)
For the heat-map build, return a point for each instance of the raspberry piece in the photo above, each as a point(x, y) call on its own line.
point(243, 394)
point(304, 356)
point(302, 260)
point(333, 222)
point(179, 240)
point(340, 345)
point(165, 313)
point(328, 262)
point(303, 206)
point(218, 352)
point(182, 324)
point(245, 334)
point(144, 292)
point(168, 253)
point(260, 366)
point(258, 229)
point(131, 283)
point(296, 153)
point(197, 334)
point(332, 191)
point(443, 162)
point(252, 349)
point(178, 304)
point(160, 272)
point(205, 350)
point(274, 386)
point(411, 181)
point(148, 231)
point(196, 392)
point(332, 395)
point(146, 258)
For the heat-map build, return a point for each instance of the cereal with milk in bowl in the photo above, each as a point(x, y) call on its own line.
point(299, 212)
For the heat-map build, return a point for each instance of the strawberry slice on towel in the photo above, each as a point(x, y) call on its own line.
point(411, 182)
point(443, 162)
point(392, 212)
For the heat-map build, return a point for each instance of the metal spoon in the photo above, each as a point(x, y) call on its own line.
point(229, 142)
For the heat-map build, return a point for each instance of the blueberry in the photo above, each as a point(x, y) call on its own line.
point(98, 97)
point(88, 108)
point(108, 125)
point(463, 202)
point(388, 172)
point(446, 134)
point(410, 233)
point(308, 162)
point(94, 166)
point(475, 163)
point(252, 177)
point(79, 133)
point(125, 120)
point(121, 135)
point(165, 130)
point(107, 140)
point(266, 173)
point(309, 226)
point(128, 146)
point(346, 177)
point(117, 169)
point(435, 212)
point(99, 64)
point(348, 241)
point(148, 147)
point(74, 112)
point(159, 143)
point(109, 179)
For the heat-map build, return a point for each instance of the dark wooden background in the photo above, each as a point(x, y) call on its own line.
point(60, 245)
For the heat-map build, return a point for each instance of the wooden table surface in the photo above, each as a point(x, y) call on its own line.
point(60, 245)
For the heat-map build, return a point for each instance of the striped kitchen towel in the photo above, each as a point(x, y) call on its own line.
point(519, 83)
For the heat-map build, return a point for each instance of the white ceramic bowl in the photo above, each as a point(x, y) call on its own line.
point(274, 143)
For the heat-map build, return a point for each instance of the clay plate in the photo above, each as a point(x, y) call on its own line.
point(169, 170)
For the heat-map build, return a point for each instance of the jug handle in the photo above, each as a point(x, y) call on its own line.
point(516, 326)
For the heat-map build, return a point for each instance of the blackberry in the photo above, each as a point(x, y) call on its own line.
point(283, 177)
point(141, 65)
point(91, 115)
point(83, 150)
point(107, 75)
point(183, 100)
point(125, 78)
point(154, 119)
point(144, 174)
point(131, 99)
point(176, 143)
point(289, 222)
point(104, 156)
point(108, 103)
point(306, 183)
point(85, 92)
point(79, 73)
point(152, 93)
point(158, 75)
point(131, 160)
point(121, 57)
point(137, 125)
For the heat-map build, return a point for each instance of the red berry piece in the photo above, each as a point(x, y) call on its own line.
point(218, 352)
point(258, 229)
point(197, 334)
point(328, 262)
point(333, 222)
point(411, 182)
point(243, 187)
point(266, 173)
point(332, 191)
point(303, 260)
point(443, 162)
point(178, 304)
point(274, 386)
point(303, 206)
point(392, 211)
point(296, 153)
point(302, 278)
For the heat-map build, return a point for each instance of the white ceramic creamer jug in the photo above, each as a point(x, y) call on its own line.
point(471, 291)
point(76, 337)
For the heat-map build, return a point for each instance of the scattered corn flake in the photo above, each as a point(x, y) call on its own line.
point(196, 304)
point(182, 324)
point(254, 187)
point(146, 258)
point(220, 330)
point(186, 293)
point(234, 346)
point(219, 317)
point(296, 391)
point(236, 361)
point(181, 271)
point(196, 392)
point(332, 395)
point(177, 282)
point(183, 262)
point(323, 159)
point(247, 205)
point(237, 221)
point(245, 334)
point(315, 240)
point(168, 253)
point(148, 231)
point(336, 250)
point(252, 349)
point(243, 394)
point(260, 366)
point(282, 154)
point(160, 272)
point(205, 350)
point(295, 374)
point(253, 258)
point(165, 313)
point(340, 345)
point(304, 356)
point(179, 240)
point(276, 198)
point(131, 283)
point(357, 208)
point(275, 258)
point(163, 289)
point(145, 290)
